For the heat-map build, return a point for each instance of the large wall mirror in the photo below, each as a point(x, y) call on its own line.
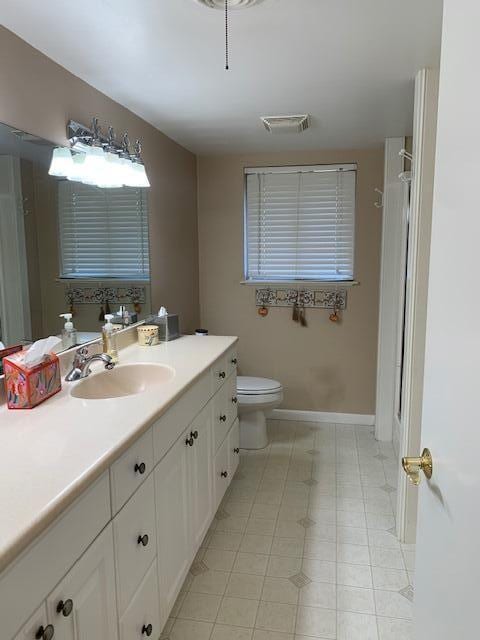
point(66, 247)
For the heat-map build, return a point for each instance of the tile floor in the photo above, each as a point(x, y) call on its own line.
point(303, 545)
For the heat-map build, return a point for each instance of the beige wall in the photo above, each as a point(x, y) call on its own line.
point(326, 366)
point(40, 97)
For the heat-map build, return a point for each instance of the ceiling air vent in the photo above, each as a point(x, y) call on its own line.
point(286, 124)
point(232, 4)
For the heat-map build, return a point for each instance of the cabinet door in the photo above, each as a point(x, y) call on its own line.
point(36, 625)
point(83, 605)
point(222, 475)
point(221, 413)
point(232, 400)
point(233, 449)
point(134, 534)
point(200, 468)
point(141, 619)
point(173, 539)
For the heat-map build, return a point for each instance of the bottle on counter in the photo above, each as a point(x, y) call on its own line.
point(69, 333)
point(109, 338)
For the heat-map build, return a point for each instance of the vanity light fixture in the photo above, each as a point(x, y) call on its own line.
point(99, 160)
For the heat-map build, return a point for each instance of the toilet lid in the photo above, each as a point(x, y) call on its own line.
point(257, 386)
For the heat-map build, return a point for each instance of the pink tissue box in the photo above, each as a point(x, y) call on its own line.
point(25, 387)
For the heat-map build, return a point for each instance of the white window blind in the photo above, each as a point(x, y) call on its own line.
point(300, 223)
point(103, 232)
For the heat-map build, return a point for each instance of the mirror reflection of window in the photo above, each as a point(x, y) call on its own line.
point(55, 235)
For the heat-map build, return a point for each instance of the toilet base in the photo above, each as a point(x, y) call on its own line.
point(253, 430)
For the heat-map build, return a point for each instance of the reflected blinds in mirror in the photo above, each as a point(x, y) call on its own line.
point(300, 223)
point(103, 232)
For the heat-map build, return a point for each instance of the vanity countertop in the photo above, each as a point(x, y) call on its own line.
point(50, 454)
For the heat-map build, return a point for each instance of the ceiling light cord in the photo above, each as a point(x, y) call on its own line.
point(227, 62)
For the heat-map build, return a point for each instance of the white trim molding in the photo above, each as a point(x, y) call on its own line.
point(322, 416)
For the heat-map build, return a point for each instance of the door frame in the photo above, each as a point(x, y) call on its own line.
point(390, 289)
point(420, 221)
point(14, 293)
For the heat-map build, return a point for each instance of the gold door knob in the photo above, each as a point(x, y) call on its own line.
point(413, 466)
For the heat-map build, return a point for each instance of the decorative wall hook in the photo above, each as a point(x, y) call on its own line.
point(403, 153)
point(379, 203)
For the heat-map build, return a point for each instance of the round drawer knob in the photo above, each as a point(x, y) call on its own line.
point(194, 434)
point(143, 540)
point(234, 361)
point(147, 630)
point(140, 468)
point(45, 633)
point(234, 399)
point(189, 442)
point(224, 474)
point(236, 450)
point(221, 374)
point(65, 607)
point(223, 418)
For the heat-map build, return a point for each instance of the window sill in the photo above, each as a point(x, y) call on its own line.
point(102, 280)
point(327, 284)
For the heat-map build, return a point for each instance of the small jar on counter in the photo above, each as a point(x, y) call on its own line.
point(148, 335)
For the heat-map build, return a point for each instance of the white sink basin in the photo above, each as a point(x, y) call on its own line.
point(123, 380)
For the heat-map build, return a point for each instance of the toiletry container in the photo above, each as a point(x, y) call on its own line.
point(69, 333)
point(109, 339)
point(147, 335)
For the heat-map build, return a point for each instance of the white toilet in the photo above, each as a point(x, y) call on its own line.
point(256, 396)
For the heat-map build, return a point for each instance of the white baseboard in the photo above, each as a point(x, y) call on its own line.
point(322, 416)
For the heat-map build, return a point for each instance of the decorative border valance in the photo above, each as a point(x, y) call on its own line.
point(318, 298)
point(100, 295)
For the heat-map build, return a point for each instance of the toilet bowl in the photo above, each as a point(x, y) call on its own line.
point(256, 396)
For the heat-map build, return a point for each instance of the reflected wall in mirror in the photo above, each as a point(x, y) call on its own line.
point(66, 246)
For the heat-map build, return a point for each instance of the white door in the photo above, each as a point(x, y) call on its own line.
point(448, 550)
point(173, 536)
point(83, 606)
point(200, 468)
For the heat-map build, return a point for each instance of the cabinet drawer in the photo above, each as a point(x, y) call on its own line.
point(135, 541)
point(26, 582)
point(129, 471)
point(232, 360)
point(222, 475)
point(143, 610)
point(219, 373)
point(168, 428)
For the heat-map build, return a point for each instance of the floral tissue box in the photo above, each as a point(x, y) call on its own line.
point(27, 387)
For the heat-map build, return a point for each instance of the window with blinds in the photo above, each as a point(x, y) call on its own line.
point(300, 223)
point(103, 232)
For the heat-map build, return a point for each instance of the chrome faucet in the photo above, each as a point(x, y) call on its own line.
point(82, 361)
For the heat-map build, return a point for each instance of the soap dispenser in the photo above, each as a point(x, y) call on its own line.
point(69, 333)
point(109, 338)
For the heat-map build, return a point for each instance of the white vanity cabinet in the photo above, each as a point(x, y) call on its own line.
point(82, 606)
point(173, 535)
point(200, 483)
point(37, 626)
point(112, 565)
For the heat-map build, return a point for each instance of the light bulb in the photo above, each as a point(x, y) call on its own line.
point(112, 173)
point(77, 172)
point(141, 174)
point(94, 166)
point(128, 176)
point(61, 164)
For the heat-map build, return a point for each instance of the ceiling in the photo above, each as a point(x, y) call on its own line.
point(348, 63)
